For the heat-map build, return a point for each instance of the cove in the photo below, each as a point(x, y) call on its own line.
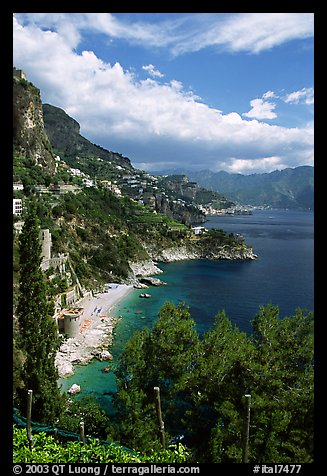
point(282, 275)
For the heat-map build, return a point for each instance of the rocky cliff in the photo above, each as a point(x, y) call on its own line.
point(65, 137)
point(103, 233)
point(184, 212)
point(192, 251)
point(29, 137)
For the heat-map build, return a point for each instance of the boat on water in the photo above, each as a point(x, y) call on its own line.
point(145, 295)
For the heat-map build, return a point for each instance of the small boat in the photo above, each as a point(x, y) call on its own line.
point(106, 369)
point(145, 295)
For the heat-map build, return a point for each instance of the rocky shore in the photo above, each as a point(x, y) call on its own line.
point(144, 268)
point(82, 349)
point(93, 340)
point(189, 253)
point(180, 253)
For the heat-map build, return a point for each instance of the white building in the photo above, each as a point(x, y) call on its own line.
point(198, 230)
point(76, 172)
point(46, 242)
point(88, 182)
point(18, 226)
point(17, 206)
point(17, 186)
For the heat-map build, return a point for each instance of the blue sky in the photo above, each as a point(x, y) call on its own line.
point(221, 91)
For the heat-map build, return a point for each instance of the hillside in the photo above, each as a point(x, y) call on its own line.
point(30, 140)
point(175, 196)
point(288, 188)
point(64, 134)
point(100, 210)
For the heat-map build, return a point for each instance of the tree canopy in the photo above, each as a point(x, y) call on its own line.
point(36, 331)
point(203, 382)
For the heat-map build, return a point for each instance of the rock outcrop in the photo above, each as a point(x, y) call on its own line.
point(188, 253)
point(144, 268)
point(141, 271)
point(64, 134)
point(74, 389)
point(29, 137)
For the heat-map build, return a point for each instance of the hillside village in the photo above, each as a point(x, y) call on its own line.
point(138, 210)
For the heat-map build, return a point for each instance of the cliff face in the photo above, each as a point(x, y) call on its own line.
point(186, 213)
point(192, 251)
point(29, 137)
point(64, 134)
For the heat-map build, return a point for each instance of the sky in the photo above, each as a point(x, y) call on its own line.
point(218, 91)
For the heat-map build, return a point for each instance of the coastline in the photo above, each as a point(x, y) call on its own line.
point(96, 328)
point(95, 335)
point(238, 289)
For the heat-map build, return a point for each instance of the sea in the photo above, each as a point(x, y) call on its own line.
point(283, 275)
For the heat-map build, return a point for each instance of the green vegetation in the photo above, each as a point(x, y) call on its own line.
point(288, 188)
point(26, 170)
point(203, 382)
point(27, 85)
point(202, 379)
point(48, 450)
point(191, 192)
point(64, 134)
point(36, 341)
point(96, 421)
point(103, 233)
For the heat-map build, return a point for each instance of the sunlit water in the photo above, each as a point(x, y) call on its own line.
point(282, 275)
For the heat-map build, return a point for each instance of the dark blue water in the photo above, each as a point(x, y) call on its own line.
point(282, 275)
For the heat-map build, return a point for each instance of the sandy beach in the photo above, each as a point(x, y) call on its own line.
point(95, 334)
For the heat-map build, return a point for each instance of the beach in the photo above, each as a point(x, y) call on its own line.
point(96, 325)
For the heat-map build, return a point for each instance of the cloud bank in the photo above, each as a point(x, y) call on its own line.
point(159, 123)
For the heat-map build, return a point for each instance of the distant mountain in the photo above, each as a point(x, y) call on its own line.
point(289, 188)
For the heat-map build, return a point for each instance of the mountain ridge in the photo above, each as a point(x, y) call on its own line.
point(64, 134)
point(102, 214)
point(287, 188)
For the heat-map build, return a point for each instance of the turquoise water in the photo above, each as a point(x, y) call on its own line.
point(283, 276)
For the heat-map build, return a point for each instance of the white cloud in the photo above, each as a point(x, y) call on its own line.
point(145, 120)
point(249, 32)
point(269, 94)
point(259, 165)
point(152, 71)
point(262, 109)
point(303, 96)
point(106, 23)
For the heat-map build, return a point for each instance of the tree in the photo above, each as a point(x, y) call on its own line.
point(95, 419)
point(203, 383)
point(218, 385)
point(37, 337)
point(163, 357)
point(275, 366)
point(283, 386)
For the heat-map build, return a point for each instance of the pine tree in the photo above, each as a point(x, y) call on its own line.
point(37, 338)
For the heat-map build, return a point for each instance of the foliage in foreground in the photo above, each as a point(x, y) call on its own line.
point(47, 450)
point(203, 382)
point(36, 340)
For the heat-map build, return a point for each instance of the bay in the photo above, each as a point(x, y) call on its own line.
point(282, 275)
